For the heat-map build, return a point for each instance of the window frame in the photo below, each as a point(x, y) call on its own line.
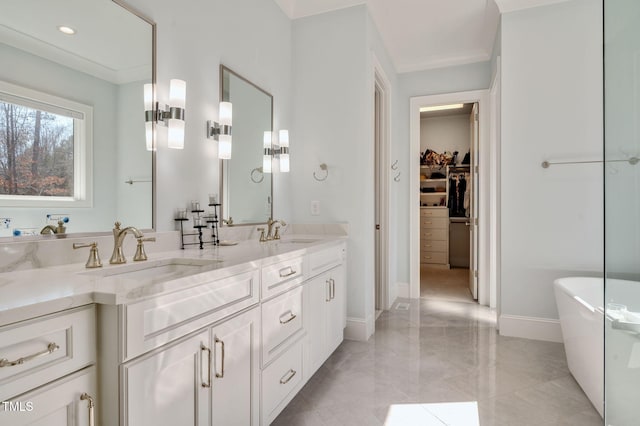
point(82, 115)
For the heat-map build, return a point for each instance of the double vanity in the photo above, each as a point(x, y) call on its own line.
point(221, 336)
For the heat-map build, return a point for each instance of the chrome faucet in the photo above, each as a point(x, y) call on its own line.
point(50, 229)
point(117, 256)
point(270, 223)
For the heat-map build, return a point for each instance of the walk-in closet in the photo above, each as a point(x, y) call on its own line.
point(447, 200)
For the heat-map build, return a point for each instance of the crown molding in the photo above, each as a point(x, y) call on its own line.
point(506, 6)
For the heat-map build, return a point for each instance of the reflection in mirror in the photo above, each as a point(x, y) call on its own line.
point(72, 136)
point(246, 188)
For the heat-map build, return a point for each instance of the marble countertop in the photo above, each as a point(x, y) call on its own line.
point(34, 292)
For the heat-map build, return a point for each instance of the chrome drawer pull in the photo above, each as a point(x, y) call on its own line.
point(291, 373)
point(292, 316)
point(285, 275)
point(328, 292)
point(92, 404)
point(220, 375)
point(206, 384)
point(332, 288)
point(51, 348)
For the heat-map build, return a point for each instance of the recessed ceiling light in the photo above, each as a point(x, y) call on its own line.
point(441, 107)
point(66, 30)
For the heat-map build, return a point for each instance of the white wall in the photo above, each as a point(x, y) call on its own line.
point(443, 80)
point(253, 38)
point(332, 119)
point(551, 105)
point(27, 70)
point(447, 133)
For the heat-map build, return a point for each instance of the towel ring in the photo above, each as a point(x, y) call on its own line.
point(259, 170)
point(324, 168)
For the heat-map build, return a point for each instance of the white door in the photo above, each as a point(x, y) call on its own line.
point(473, 219)
point(335, 312)
point(56, 404)
point(170, 387)
point(317, 298)
point(235, 371)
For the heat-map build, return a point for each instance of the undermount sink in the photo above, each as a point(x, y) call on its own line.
point(160, 269)
point(300, 241)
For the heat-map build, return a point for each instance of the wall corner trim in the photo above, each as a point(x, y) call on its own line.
point(530, 328)
point(359, 329)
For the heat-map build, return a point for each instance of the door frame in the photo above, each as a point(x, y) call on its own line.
point(381, 80)
point(482, 98)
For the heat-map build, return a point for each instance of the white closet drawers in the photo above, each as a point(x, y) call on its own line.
point(281, 276)
point(281, 319)
point(280, 381)
point(151, 323)
point(40, 350)
point(434, 236)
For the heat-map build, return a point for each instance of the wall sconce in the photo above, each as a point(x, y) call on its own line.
point(221, 132)
point(172, 116)
point(280, 150)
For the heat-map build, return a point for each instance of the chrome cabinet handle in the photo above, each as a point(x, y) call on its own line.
point(51, 348)
point(285, 275)
point(292, 316)
point(92, 404)
point(220, 375)
point(328, 291)
point(206, 384)
point(333, 288)
point(290, 373)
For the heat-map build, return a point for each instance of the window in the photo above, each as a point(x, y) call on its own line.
point(45, 146)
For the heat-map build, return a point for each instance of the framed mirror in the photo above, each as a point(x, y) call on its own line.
point(72, 129)
point(246, 189)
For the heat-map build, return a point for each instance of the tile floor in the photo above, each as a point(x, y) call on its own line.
point(441, 362)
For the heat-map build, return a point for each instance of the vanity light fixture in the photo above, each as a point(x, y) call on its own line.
point(279, 150)
point(221, 131)
point(172, 116)
point(441, 107)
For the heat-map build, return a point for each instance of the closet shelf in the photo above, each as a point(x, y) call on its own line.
point(433, 193)
point(432, 180)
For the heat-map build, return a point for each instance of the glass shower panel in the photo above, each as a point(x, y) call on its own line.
point(622, 211)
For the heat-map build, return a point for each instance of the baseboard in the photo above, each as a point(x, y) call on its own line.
point(530, 328)
point(359, 329)
point(403, 290)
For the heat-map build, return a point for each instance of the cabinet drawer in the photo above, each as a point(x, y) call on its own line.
point(425, 212)
point(280, 381)
point(324, 260)
point(281, 319)
point(433, 234)
point(57, 403)
point(281, 276)
point(433, 246)
point(434, 223)
point(50, 346)
point(154, 322)
point(433, 257)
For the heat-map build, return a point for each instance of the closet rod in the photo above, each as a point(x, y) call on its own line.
point(633, 161)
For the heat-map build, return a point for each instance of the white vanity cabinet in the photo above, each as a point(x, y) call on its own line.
point(46, 365)
point(325, 297)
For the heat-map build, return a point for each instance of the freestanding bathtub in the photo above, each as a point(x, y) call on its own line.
point(580, 302)
point(584, 329)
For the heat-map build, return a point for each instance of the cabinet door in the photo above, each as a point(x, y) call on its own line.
point(317, 299)
point(335, 320)
point(170, 387)
point(56, 404)
point(236, 369)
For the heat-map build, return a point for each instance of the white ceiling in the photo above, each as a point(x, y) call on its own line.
point(111, 43)
point(426, 34)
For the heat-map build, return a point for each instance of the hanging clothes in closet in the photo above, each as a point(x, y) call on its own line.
point(459, 194)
